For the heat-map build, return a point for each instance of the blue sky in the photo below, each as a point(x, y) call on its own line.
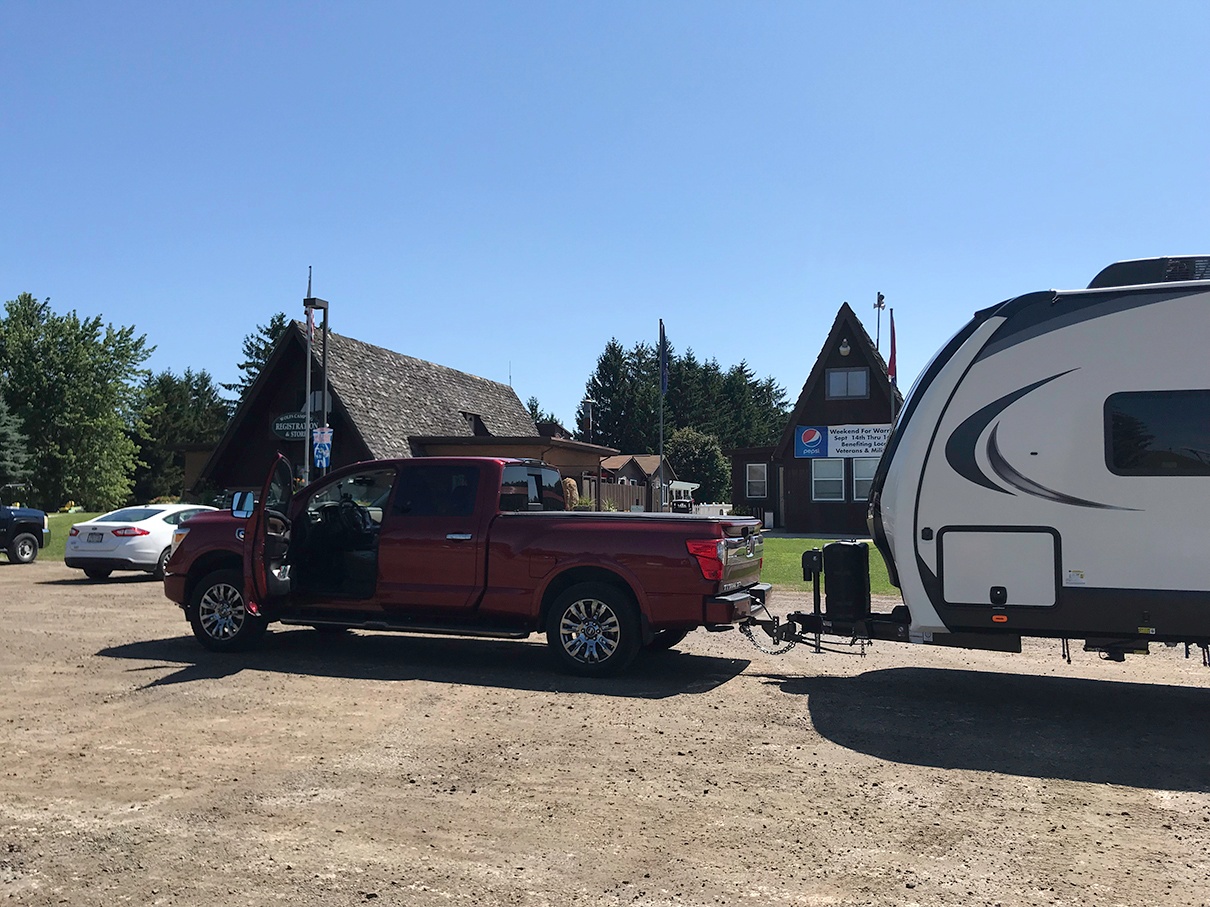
point(502, 187)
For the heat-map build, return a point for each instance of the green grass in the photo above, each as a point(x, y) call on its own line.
point(60, 525)
point(783, 565)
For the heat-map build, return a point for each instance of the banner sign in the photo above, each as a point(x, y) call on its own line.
point(811, 441)
point(321, 440)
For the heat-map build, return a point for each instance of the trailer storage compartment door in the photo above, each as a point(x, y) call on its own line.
point(999, 565)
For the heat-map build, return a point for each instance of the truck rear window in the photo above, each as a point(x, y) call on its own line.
point(531, 488)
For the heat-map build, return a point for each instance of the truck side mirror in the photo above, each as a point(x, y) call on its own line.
point(242, 504)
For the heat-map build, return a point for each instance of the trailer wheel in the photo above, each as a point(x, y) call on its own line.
point(24, 549)
point(593, 629)
point(219, 615)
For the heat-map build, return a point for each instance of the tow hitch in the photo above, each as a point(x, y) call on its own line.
point(843, 608)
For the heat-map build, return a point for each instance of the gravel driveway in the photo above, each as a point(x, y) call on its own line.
point(135, 767)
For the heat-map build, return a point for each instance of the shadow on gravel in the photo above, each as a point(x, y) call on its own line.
point(388, 657)
point(1101, 731)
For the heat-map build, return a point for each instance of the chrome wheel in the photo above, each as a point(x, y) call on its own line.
point(221, 611)
point(594, 629)
point(219, 614)
point(590, 631)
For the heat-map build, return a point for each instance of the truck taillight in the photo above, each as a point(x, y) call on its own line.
point(128, 531)
point(710, 554)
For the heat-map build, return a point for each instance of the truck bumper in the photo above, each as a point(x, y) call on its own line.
point(174, 587)
point(736, 606)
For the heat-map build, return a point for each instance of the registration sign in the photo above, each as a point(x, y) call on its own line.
point(291, 426)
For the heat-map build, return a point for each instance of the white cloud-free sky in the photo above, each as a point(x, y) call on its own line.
point(501, 187)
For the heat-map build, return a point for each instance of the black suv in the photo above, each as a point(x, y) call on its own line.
point(23, 531)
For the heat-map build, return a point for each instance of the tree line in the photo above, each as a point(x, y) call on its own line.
point(706, 410)
point(83, 421)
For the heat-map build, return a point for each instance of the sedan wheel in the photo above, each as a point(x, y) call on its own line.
point(593, 628)
point(219, 616)
point(158, 572)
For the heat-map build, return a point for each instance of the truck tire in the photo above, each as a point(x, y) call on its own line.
point(219, 616)
point(666, 639)
point(23, 549)
point(593, 629)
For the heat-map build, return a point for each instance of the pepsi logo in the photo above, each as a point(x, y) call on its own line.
point(811, 437)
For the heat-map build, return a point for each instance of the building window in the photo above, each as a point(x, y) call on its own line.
point(758, 480)
point(863, 477)
point(848, 383)
point(1158, 433)
point(827, 480)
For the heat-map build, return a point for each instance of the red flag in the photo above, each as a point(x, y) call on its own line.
point(890, 366)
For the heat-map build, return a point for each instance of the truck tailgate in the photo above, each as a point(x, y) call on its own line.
point(744, 553)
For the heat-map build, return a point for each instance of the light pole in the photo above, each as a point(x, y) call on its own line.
point(590, 403)
point(310, 304)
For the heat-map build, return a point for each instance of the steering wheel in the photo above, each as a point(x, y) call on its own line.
point(355, 518)
point(326, 512)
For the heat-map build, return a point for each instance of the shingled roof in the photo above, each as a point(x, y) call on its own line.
point(393, 398)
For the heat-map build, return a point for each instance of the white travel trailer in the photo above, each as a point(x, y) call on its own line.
point(1049, 475)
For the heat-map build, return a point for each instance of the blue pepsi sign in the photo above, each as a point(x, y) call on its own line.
point(810, 441)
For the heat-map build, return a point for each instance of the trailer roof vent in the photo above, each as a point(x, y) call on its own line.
point(1152, 270)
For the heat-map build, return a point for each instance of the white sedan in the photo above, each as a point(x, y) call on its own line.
point(133, 538)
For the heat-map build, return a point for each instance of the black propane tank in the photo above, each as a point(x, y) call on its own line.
point(846, 581)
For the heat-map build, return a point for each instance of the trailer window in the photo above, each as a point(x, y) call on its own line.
point(863, 477)
point(1158, 433)
point(758, 480)
point(827, 479)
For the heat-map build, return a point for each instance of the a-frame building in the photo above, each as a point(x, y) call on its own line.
point(816, 479)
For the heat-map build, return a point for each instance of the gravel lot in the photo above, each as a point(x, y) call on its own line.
point(135, 767)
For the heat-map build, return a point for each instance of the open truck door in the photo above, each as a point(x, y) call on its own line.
point(266, 537)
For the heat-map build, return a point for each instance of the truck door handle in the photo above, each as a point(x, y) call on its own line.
point(458, 537)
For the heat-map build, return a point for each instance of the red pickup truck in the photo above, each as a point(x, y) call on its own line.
point(468, 546)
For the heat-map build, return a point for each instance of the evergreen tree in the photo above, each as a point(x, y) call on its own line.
point(174, 412)
point(734, 407)
point(601, 414)
point(14, 449)
point(256, 350)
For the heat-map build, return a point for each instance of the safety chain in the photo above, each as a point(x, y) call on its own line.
point(746, 629)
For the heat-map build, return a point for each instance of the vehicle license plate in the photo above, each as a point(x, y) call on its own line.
point(96, 536)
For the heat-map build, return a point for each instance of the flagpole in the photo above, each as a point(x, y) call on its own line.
point(307, 396)
point(894, 368)
point(663, 355)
